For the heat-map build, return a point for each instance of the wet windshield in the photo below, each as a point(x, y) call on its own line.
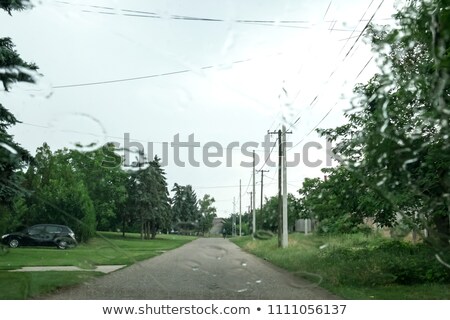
point(313, 135)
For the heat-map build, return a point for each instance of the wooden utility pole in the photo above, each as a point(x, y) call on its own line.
point(233, 226)
point(240, 208)
point(285, 239)
point(282, 189)
point(254, 195)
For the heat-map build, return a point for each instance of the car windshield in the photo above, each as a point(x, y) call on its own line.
point(313, 135)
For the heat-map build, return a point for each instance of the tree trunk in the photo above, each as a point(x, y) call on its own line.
point(142, 226)
point(442, 230)
point(154, 229)
point(123, 224)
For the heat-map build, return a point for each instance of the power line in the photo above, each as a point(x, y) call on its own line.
point(85, 84)
point(360, 20)
point(154, 15)
point(343, 60)
point(314, 128)
point(328, 8)
point(267, 158)
point(124, 79)
point(364, 68)
point(360, 34)
point(248, 185)
point(331, 28)
point(94, 83)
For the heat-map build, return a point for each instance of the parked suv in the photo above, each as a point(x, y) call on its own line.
point(42, 235)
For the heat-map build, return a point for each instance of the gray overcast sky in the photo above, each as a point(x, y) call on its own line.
point(263, 74)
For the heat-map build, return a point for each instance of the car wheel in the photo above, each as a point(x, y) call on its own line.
point(62, 244)
point(13, 243)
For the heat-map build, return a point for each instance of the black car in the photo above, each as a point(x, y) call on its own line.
point(42, 235)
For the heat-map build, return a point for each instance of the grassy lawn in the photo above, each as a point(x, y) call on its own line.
point(358, 266)
point(106, 249)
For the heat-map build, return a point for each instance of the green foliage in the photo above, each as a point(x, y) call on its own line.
point(207, 213)
point(394, 149)
point(106, 184)
point(84, 190)
point(359, 266)
point(268, 217)
point(13, 157)
point(185, 205)
point(59, 194)
point(387, 262)
point(10, 5)
point(11, 216)
point(149, 198)
point(13, 67)
point(340, 203)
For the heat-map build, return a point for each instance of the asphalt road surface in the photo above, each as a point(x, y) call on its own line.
point(207, 268)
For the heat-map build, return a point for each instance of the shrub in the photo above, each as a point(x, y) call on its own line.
point(386, 262)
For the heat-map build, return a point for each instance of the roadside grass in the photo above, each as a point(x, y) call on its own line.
point(108, 248)
point(25, 285)
point(358, 266)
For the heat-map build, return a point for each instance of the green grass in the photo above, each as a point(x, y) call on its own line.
point(106, 249)
point(24, 285)
point(358, 266)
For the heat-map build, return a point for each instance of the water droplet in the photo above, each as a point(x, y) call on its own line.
point(8, 147)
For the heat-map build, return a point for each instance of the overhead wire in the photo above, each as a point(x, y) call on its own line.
point(154, 15)
point(144, 77)
point(268, 156)
point(345, 57)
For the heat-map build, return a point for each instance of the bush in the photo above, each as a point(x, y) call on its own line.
point(340, 224)
point(386, 262)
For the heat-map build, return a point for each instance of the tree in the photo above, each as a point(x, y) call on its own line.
point(396, 139)
point(10, 5)
point(59, 194)
point(105, 184)
point(340, 202)
point(185, 211)
point(268, 218)
point(13, 157)
point(149, 198)
point(207, 213)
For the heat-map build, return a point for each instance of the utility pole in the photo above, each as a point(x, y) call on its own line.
point(282, 189)
point(250, 208)
point(254, 195)
point(262, 187)
point(233, 226)
point(285, 239)
point(240, 208)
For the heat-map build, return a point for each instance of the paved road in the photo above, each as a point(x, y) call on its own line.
point(211, 268)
